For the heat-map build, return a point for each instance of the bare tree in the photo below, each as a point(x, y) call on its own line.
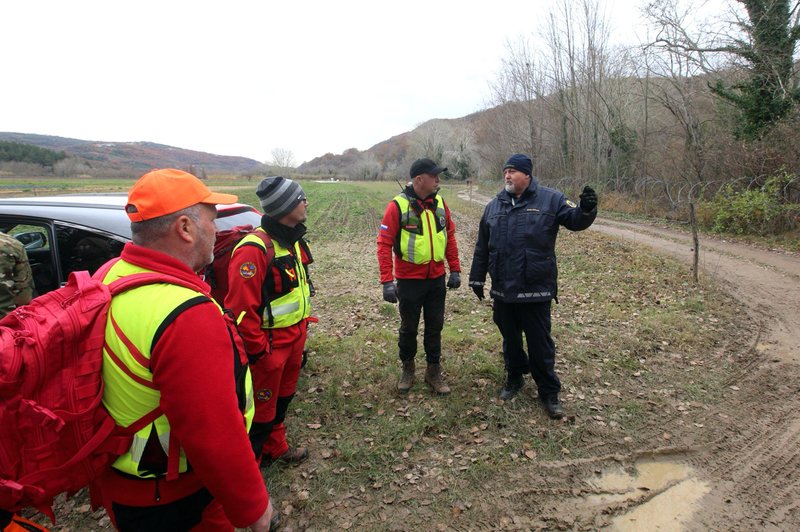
point(587, 97)
point(429, 140)
point(282, 158)
point(518, 121)
point(761, 38)
point(673, 83)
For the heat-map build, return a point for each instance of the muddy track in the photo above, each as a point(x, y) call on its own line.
point(744, 466)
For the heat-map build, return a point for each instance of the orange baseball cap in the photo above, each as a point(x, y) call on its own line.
point(161, 192)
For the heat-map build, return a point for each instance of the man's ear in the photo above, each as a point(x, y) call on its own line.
point(185, 228)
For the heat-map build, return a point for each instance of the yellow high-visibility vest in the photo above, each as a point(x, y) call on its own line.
point(292, 303)
point(423, 235)
point(129, 392)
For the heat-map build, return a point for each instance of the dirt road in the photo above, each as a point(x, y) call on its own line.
point(750, 466)
point(767, 282)
point(741, 470)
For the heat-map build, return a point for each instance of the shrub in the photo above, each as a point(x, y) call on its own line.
point(760, 211)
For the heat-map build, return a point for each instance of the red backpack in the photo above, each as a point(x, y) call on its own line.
point(217, 272)
point(56, 434)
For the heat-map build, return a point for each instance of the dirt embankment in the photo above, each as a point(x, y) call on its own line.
point(742, 470)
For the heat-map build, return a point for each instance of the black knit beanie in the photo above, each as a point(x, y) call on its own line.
point(520, 162)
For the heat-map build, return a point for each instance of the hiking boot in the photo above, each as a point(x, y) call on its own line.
point(553, 406)
point(514, 384)
point(275, 522)
point(433, 376)
point(294, 456)
point(407, 378)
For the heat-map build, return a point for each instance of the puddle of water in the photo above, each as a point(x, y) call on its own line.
point(669, 510)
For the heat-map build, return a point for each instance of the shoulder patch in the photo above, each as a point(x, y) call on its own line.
point(571, 203)
point(247, 270)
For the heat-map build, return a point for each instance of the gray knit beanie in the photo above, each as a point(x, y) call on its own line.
point(279, 196)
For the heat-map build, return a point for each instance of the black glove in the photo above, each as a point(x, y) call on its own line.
point(454, 281)
point(390, 292)
point(478, 291)
point(588, 199)
point(305, 358)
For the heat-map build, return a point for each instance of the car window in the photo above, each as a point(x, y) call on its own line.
point(36, 239)
point(81, 249)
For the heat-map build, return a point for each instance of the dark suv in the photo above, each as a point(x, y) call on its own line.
point(62, 234)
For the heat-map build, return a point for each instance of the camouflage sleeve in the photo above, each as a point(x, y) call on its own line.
point(23, 279)
point(15, 273)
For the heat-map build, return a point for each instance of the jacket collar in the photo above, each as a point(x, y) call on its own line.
point(285, 235)
point(151, 259)
point(417, 203)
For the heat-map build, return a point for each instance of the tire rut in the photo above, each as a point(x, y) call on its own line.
point(755, 459)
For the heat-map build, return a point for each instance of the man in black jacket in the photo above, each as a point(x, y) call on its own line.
point(516, 247)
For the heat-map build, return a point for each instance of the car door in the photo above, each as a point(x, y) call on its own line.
point(55, 249)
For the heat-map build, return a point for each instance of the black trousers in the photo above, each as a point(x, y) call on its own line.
point(426, 297)
point(175, 516)
point(259, 432)
point(532, 319)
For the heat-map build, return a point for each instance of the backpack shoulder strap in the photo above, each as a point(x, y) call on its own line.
point(268, 245)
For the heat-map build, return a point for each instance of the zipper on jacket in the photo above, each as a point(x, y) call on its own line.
point(425, 212)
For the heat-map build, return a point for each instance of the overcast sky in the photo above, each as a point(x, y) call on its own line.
point(246, 77)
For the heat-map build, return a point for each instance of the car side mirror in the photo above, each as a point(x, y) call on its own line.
point(32, 240)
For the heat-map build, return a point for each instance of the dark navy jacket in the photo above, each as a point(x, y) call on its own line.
point(517, 240)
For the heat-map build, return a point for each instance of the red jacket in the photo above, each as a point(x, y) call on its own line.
point(246, 275)
point(192, 367)
point(389, 232)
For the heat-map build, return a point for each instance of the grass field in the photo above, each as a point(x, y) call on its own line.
point(638, 345)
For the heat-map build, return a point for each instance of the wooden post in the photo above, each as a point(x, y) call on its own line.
point(696, 241)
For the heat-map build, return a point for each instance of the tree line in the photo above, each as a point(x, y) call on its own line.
point(27, 153)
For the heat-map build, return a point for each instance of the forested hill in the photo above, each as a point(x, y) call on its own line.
point(136, 156)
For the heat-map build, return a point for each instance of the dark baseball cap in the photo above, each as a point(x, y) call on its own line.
point(425, 166)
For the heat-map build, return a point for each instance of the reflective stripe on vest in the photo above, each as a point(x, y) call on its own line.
point(422, 237)
point(129, 393)
point(292, 307)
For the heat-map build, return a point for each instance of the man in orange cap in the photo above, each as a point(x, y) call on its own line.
point(169, 346)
